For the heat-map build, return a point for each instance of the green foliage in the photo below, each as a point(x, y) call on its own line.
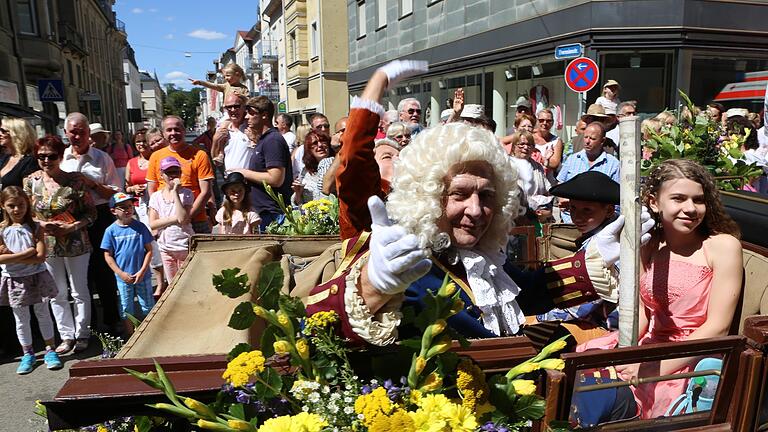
point(239, 349)
point(702, 140)
point(231, 283)
point(243, 316)
point(182, 103)
point(318, 217)
point(270, 284)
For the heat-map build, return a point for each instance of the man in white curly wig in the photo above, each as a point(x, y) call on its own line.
point(453, 200)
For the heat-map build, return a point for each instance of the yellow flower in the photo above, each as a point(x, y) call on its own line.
point(261, 312)
point(459, 418)
point(415, 396)
point(438, 327)
point(458, 306)
point(524, 387)
point(437, 413)
point(302, 348)
point(281, 347)
point(320, 320)
point(399, 421)
point(243, 367)
point(421, 363)
point(101, 428)
point(442, 345)
point(448, 290)
point(211, 425)
point(302, 422)
point(200, 408)
point(470, 380)
point(555, 364)
point(432, 383)
point(373, 405)
point(240, 425)
point(522, 368)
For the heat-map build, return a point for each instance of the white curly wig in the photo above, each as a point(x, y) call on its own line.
point(416, 200)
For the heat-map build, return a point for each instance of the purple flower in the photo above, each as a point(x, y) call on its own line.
point(493, 427)
point(243, 397)
point(366, 389)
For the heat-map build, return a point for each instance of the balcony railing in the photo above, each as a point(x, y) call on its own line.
point(119, 25)
point(70, 38)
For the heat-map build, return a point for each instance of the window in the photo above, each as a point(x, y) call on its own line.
point(25, 10)
point(293, 53)
point(406, 7)
point(79, 76)
point(382, 12)
point(361, 19)
point(70, 75)
point(315, 46)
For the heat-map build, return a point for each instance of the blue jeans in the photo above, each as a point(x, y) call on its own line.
point(142, 290)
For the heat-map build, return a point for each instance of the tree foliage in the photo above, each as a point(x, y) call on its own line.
point(182, 103)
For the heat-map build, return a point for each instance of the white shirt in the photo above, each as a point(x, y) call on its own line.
point(533, 182)
point(298, 162)
point(240, 151)
point(290, 139)
point(762, 139)
point(96, 165)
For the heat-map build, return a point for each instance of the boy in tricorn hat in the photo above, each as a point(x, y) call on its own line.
point(592, 198)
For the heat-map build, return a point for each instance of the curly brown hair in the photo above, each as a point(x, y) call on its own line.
point(716, 220)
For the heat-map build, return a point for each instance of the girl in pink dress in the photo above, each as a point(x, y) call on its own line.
point(690, 279)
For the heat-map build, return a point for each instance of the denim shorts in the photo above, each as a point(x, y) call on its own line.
point(142, 290)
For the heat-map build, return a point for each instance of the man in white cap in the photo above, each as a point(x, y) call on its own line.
point(522, 106)
point(99, 136)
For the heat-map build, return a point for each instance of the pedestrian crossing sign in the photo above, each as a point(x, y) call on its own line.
point(50, 90)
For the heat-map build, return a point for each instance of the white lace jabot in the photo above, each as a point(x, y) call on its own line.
point(494, 292)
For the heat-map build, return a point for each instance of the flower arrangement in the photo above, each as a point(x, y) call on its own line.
point(317, 217)
point(700, 139)
point(302, 379)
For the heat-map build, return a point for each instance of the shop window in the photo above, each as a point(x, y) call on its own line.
point(646, 77)
point(25, 10)
point(733, 82)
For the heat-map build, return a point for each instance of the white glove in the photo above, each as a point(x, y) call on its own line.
point(398, 70)
point(396, 259)
point(646, 224)
point(608, 241)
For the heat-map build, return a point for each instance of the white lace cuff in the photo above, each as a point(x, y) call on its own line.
point(367, 104)
point(379, 329)
point(605, 280)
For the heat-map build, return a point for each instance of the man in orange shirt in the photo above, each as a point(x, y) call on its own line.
point(196, 170)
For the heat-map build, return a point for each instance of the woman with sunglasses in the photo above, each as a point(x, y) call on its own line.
point(17, 137)
point(64, 209)
point(400, 133)
point(307, 186)
point(549, 145)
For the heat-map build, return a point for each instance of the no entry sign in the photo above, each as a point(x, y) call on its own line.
point(581, 74)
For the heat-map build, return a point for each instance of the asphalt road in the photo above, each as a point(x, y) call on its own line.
point(19, 392)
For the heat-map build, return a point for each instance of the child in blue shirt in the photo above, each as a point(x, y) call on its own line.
point(127, 245)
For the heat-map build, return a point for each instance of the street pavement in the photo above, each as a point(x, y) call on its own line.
point(19, 392)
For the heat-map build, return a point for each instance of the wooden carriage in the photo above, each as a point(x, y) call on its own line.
point(187, 334)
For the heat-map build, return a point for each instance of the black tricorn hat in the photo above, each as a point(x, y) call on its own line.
point(588, 186)
point(235, 178)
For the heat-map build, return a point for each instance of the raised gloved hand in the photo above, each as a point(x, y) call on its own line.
point(398, 70)
point(396, 259)
point(608, 240)
point(646, 224)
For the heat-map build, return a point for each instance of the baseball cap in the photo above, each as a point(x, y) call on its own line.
point(473, 111)
point(120, 197)
point(169, 162)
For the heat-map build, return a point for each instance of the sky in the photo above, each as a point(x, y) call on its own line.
point(162, 31)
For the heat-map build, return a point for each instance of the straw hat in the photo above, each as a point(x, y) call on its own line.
point(473, 111)
point(611, 82)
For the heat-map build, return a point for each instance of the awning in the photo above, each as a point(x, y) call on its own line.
point(19, 111)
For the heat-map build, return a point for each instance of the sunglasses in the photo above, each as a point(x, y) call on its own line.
point(47, 156)
point(323, 126)
point(414, 110)
point(545, 120)
point(232, 107)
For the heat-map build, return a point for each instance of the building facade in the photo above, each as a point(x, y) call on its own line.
point(132, 80)
point(499, 50)
point(76, 44)
point(316, 58)
point(271, 50)
point(152, 100)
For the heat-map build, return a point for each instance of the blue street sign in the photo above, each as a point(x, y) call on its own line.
point(50, 90)
point(569, 51)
